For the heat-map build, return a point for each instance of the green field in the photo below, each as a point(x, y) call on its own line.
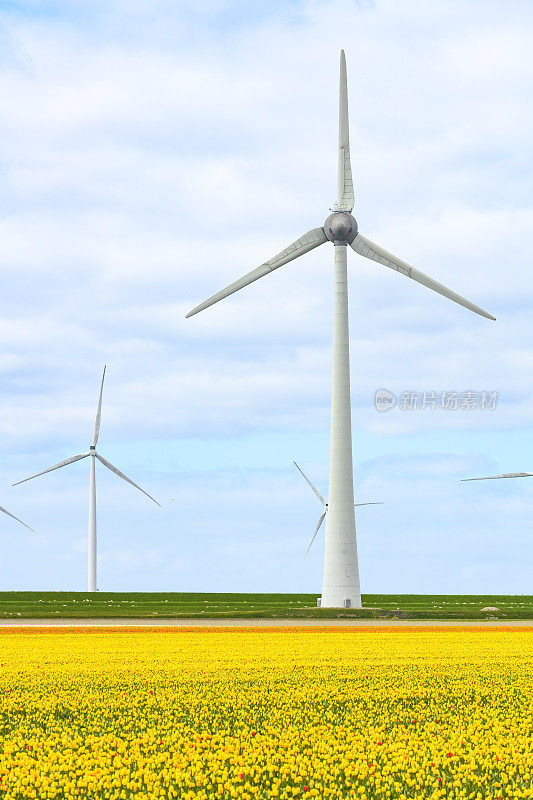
point(72, 605)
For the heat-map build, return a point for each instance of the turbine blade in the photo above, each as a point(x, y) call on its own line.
point(304, 244)
point(507, 475)
point(345, 192)
point(56, 466)
point(320, 521)
point(379, 503)
point(120, 474)
point(98, 413)
point(376, 253)
point(315, 490)
point(18, 520)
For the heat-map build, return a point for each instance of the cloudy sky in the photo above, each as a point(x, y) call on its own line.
point(151, 153)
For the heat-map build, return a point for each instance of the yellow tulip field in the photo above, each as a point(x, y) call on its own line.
point(266, 713)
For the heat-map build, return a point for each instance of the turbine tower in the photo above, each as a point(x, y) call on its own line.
point(92, 455)
point(341, 571)
point(323, 515)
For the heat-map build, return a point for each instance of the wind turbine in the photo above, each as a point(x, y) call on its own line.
point(497, 477)
point(5, 511)
point(323, 515)
point(341, 571)
point(92, 455)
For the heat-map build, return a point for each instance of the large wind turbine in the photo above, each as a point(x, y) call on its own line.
point(323, 515)
point(5, 511)
point(92, 455)
point(341, 572)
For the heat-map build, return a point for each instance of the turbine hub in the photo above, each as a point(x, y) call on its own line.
point(340, 227)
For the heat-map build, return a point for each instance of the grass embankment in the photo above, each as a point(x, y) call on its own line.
point(76, 605)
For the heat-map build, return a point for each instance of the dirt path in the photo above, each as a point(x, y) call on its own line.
point(266, 623)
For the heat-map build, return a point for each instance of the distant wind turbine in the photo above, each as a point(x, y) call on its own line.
point(497, 477)
point(323, 515)
point(93, 455)
point(5, 511)
point(340, 585)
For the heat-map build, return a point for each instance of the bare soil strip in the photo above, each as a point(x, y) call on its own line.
point(264, 623)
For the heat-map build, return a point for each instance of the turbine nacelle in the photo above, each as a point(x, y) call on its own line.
point(340, 227)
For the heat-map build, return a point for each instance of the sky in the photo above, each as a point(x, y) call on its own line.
point(153, 152)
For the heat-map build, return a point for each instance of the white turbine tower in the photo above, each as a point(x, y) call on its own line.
point(5, 511)
point(323, 515)
point(92, 455)
point(341, 572)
